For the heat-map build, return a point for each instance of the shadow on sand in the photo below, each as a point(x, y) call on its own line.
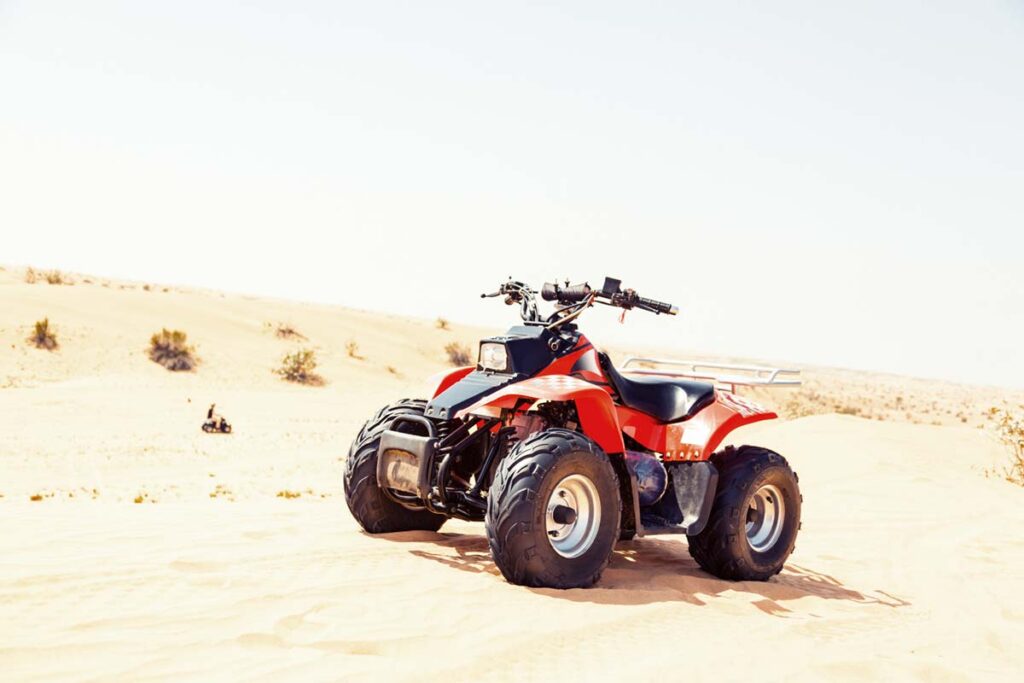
point(654, 570)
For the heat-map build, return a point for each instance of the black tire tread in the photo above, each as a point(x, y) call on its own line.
point(712, 548)
point(375, 512)
point(509, 526)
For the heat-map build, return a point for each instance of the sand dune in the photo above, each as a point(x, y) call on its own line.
point(910, 563)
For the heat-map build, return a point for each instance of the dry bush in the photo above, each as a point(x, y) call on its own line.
point(299, 367)
point(55, 277)
point(289, 494)
point(31, 275)
point(286, 331)
point(1009, 428)
point(43, 335)
point(442, 324)
point(352, 349)
point(458, 354)
point(170, 349)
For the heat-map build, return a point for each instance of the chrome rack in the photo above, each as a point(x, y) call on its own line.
point(721, 374)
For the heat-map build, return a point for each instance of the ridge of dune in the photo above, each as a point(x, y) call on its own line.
point(910, 564)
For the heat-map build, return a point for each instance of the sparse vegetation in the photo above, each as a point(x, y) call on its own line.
point(43, 336)
point(299, 367)
point(222, 491)
point(1009, 429)
point(458, 354)
point(170, 348)
point(286, 331)
point(31, 275)
point(393, 370)
point(352, 349)
point(442, 324)
point(55, 277)
point(289, 494)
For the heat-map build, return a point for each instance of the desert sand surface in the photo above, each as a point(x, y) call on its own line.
point(135, 547)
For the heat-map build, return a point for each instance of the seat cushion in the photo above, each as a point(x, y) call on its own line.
point(666, 399)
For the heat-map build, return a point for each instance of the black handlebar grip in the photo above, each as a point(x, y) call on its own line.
point(566, 295)
point(656, 306)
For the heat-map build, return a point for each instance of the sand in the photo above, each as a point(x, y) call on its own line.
point(910, 564)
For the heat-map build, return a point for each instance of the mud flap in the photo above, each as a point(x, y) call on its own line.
point(686, 506)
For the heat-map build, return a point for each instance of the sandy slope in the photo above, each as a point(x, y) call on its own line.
point(910, 563)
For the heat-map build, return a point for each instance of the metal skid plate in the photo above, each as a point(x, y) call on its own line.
point(403, 462)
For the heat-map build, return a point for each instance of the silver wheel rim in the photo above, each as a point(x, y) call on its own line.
point(766, 515)
point(577, 493)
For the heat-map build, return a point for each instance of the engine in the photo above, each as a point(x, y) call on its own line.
point(651, 476)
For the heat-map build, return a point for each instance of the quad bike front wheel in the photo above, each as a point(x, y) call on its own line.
point(553, 511)
point(374, 511)
point(754, 519)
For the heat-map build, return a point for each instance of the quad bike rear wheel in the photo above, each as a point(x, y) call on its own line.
point(553, 511)
point(375, 512)
point(754, 519)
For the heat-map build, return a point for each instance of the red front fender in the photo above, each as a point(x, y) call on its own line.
point(442, 380)
point(593, 404)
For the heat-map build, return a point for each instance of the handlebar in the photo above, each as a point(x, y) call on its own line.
point(574, 299)
point(656, 307)
point(573, 294)
point(610, 294)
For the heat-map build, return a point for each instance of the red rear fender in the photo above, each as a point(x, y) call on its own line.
point(698, 437)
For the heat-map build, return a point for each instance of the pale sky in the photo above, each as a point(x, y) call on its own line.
point(832, 183)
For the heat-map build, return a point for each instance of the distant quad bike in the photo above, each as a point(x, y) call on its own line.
point(561, 455)
point(216, 424)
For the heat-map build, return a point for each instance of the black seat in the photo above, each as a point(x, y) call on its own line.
point(664, 398)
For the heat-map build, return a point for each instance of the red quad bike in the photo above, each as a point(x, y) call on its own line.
point(561, 455)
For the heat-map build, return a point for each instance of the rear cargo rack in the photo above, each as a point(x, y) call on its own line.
point(723, 375)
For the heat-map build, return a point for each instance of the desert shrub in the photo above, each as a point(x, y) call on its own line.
point(299, 366)
point(55, 277)
point(289, 494)
point(352, 349)
point(1009, 429)
point(170, 348)
point(43, 335)
point(458, 354)
point(442, 324)
point(286, 331)
point(31, 275)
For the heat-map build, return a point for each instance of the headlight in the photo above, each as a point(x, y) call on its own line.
point(493, 357)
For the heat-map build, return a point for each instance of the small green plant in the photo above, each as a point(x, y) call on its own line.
point(43, 335)
point(170, 348)
point(442, 324)
point(299, 367)
point(458, 354)
point(1009, 428)
point(352, 349)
